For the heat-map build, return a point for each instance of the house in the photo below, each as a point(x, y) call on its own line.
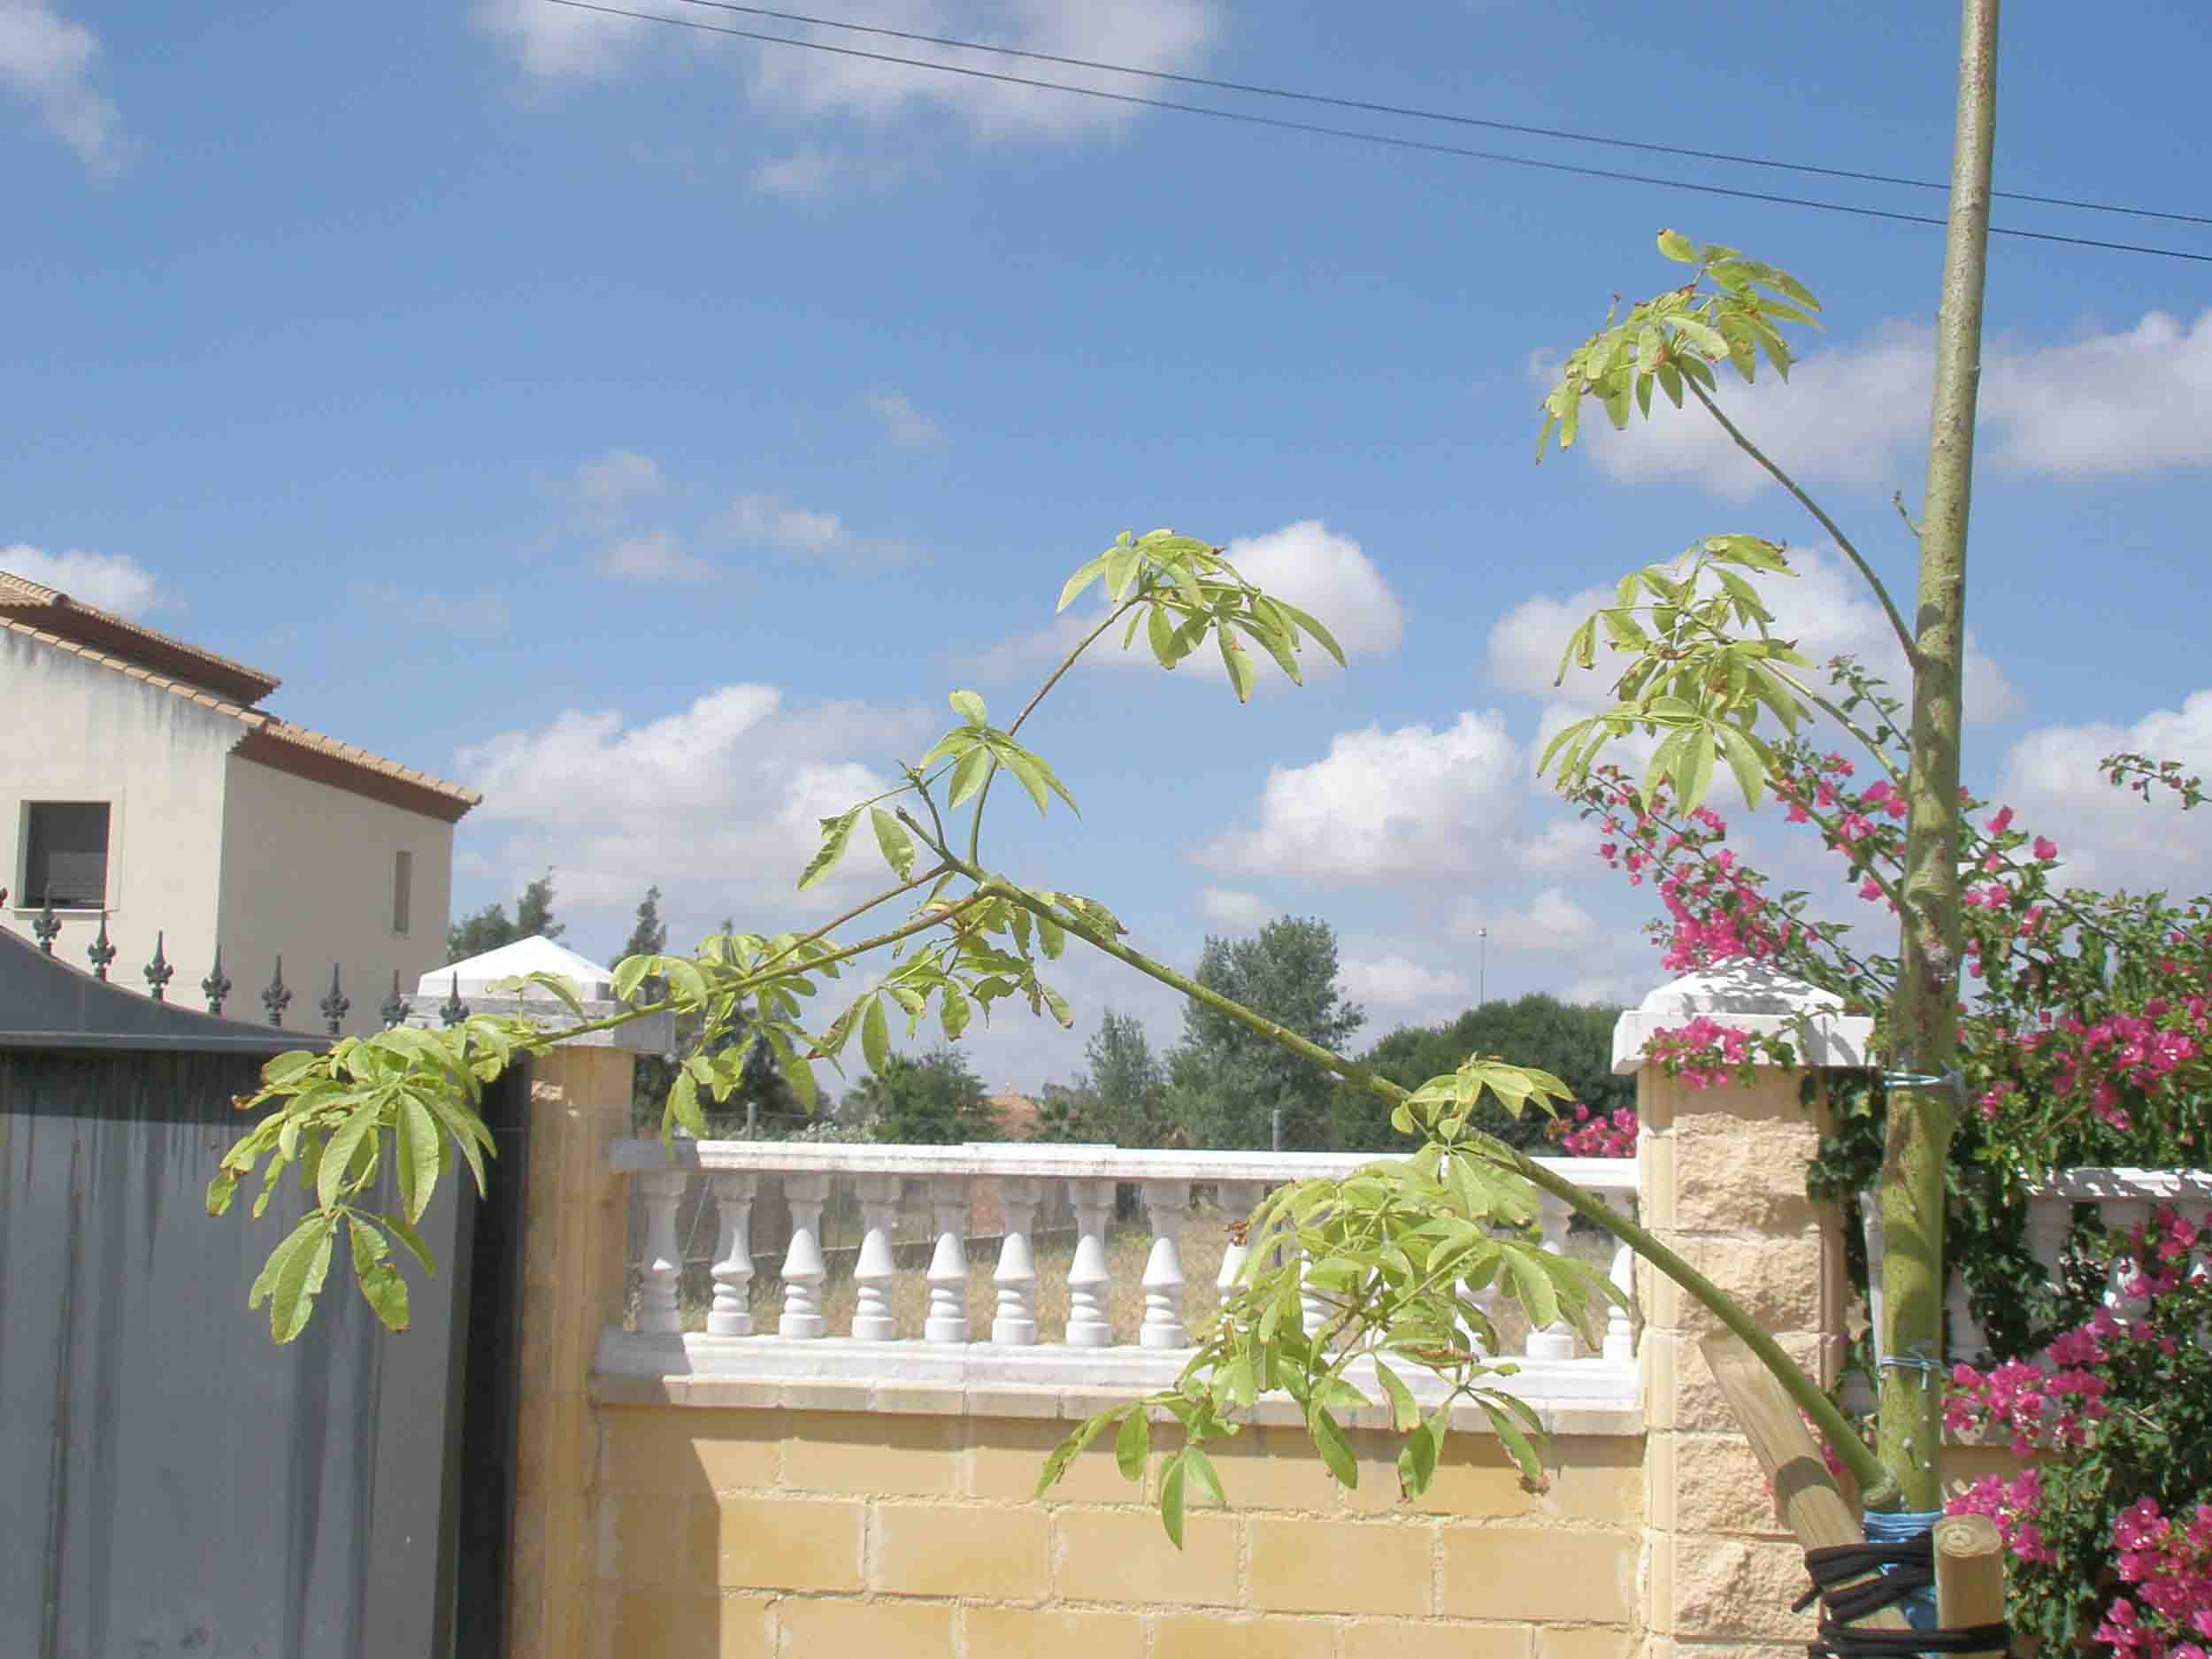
point(150, 801)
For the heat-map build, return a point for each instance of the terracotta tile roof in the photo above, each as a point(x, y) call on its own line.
point(57, 613)
point(273, 743)
point(1016, 1114)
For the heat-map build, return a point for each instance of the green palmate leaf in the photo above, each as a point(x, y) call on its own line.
point(220, 1189)
point(1239, 663)
point(1675, 246)
point(1533, 1287)
point(418, 1156)
point(1058, 1004)
point(1121, 564)
point(1327, 639)
point(1052, 938)
point(406, 1234)
point(1693, 770)
point(1201, 1469)
point(1160, 633)
point(1024, 767)
point(1132, 1447)
point(898, 847)
point(1744, 759)
point(349, 1139)
point(1513, 1437)
point(968, 775)
point(1416, 1458)
point(386, 1292)
point(291, 1289)
point(875, 1036)
point(1403, 1412)
point(1336, 1451)
point(969, 707)
point(1072, 1448)
point(1171, 1499)
point(836, 834)
point(953, 1009)
point(1085, 575)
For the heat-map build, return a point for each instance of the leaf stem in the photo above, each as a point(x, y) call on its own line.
point(1889, 606)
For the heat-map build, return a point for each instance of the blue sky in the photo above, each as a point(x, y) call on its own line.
point(650, 429)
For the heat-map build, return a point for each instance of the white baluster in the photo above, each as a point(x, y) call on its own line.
point(731, 1314)
point(664, 1191)
point(1016, 1324)
point(948, 1320)
point(1314, 1307)
point(803, 1266)
point(1169, 1202)
point(2124, 1215)
point(1555, 1340)
point(1089, 1280)
point(876, 1273)
point(1620, 1330)
point(1239, 1199)
point(2048, 1222)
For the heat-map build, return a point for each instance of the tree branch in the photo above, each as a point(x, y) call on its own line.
point(1889, 607)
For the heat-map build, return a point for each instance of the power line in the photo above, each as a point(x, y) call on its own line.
point(1414, 112)
point(1388, 140)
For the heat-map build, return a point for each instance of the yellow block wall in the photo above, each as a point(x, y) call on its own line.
point(746, 1532)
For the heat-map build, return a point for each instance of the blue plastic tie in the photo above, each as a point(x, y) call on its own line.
point(1901, 1526)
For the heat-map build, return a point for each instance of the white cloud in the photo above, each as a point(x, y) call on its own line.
point(1407, 805)
point(2111, 838)
point(765, 521)
point(46, 59)
point(1234, 909)
point(718, 802)
point(1825, 608)
point(903, 424)
point(609, 479)
point(1552, 923)
point(800, 176)
point(106, 581)
point(655, 557)
point(1324, 574)
point(1397, 984)
point(559, 42)
point(2138, 401)
point(1170, 35)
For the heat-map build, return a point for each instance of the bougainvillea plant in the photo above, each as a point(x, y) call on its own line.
point(2111, 1527)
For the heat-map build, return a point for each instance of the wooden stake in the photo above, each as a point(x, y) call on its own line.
point(1811, 1504)
point(1970, 1567)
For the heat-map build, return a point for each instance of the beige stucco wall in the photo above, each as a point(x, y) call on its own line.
point(78, 731)
point(307, 872)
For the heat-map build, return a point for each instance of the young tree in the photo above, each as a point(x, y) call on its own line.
point(1227, 1081)
point(1128, 1084)
point(648, 937)
point(491, 927)
point(934, 1101)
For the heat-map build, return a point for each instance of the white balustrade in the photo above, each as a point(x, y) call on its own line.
point(731, 1314)
point(1090, 1324)
point(1031, 1179)
point(1620, 1329)
point(1169, 1202)
point(657, 1309)
point(804, 1269)
point(948, 1320)
point(1016, 1324)
point(1555, 1340)
point(876, 1271)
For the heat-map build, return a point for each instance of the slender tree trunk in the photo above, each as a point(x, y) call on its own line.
point(1923, 1098)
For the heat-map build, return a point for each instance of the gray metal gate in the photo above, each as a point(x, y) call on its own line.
point(171, 1482)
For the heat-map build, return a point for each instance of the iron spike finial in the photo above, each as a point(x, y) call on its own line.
point(215, 987)
point(101, 950)
point(336, 1005)
point(396, 1008)
point(453, 1011)
point(277, 997)
point(158, 972)
point(45, 925)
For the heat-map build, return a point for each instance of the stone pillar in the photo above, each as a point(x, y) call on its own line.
point(575, 1267)
point(1721, 1174)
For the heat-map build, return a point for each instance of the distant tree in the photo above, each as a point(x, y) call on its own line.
point(1225, 1082)
point(1128, 1084)
point(491, 927)
point(1068, 1112)
point(1573, 1041)
point(649, 936)
point(934, 1101)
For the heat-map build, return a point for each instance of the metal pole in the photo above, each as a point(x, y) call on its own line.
point(1482, 983)
point(1275, 1118)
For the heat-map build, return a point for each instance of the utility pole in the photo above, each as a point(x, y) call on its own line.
point(1924, 1092)
point(1482, 978)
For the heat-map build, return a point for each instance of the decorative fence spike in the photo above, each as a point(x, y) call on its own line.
point(158, 973)
point(336, 1005)
point(45, 925)
point(215, 987)
point(101, 950)
point(277, 998)
point(396, 1008)
point(453, 1011)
